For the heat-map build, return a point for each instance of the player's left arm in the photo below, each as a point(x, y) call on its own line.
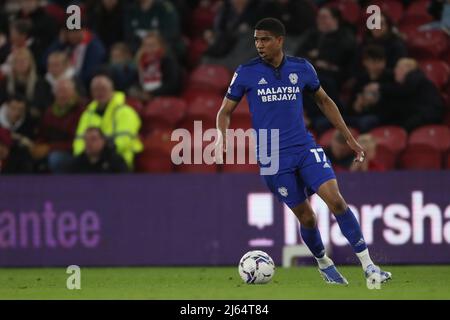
point(331, 111)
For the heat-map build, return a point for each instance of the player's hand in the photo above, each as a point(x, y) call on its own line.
point(355, 146)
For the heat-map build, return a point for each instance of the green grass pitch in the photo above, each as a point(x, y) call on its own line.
point(299, 283)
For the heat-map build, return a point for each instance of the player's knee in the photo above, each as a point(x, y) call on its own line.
point(305, 215)
point(337, 205)
point(308, 220)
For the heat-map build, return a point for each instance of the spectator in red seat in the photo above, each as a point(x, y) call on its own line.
point(53, 148)
point(339, 153)
point(23, 80)
point(19, 37)
point(85, 50)
point(98, 156)
point(330, 47)
point(118, 121)
point(388, 38)
point(412, 100)
point(364, 113)
point(159, 72)
point(122, 67)
point(153, 15)
point(15, 118)
point(106, 19)
point(44, 28)
point(13, 158)
point(58, 67)
point(369, 144)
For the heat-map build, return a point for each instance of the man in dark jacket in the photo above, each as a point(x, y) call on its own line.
point(363, 112)
point(412, 101)
point(85, 50)
point(44, 27)
point(98, 156)
point(331, 47)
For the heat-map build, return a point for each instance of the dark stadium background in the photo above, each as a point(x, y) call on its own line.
point(56, 210)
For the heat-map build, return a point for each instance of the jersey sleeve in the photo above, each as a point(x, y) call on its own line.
point(312, 80)
point(237, 88)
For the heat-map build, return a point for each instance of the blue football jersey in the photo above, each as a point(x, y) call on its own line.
point(275, 98)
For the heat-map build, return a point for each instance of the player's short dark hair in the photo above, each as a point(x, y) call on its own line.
point(274, 26)
point(374, 52)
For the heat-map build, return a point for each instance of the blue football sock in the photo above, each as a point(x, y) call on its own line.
point(351, 230)
point(311, 237)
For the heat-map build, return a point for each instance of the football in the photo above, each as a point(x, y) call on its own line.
point(256, 267)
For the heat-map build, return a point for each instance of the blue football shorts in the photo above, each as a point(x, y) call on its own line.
point(300, 175)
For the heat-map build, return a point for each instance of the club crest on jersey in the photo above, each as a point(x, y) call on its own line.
point(283, 191)
point(293, 77)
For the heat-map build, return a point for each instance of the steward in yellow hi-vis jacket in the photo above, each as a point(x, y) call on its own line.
point(119, 122)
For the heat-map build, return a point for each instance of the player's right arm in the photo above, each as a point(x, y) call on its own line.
point(223, 120)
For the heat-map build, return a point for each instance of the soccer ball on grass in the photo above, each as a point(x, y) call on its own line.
point(256, 267)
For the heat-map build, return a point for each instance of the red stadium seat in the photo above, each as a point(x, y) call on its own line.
point(446, 99)
point(425, 44)
point(392, 137)
point(242, 108)
point(190, 94)
point(416, 15)
point(151, 162)
point(435, 136)
point(197, 125)
point(447, 119)
point(204, 108)
point(55, 11)
point(386, 157)
point(415, 20)
point(421, 156)
point(241, 122)
point(391, 8)
point(210, 78)
point(135, 103)
point(196, 49)
point(159, 141)
point(418, 7)
point(203, 17)
point(437, 71)
point(327, 136)
point(350, 10)
point(447, 162)
point(241, 117)
point(164, 112)
point(156, 156)
point(445, 56)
